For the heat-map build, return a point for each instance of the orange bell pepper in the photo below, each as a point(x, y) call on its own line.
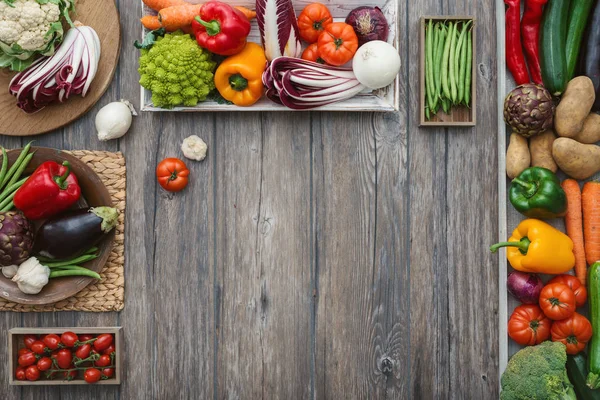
point(239, 78)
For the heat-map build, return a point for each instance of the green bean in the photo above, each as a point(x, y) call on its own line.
point(78, 260)
point(9, 190)
point(42, 259)
point(74, 272)
point(457, 55)
point(429, 64)
point(16, 165)
point(445, 64)
point(469, 68)
point(446, 105)
point(427, 113)
point(437, 78)
point(7, 201)
point(4, 164)
point(8, 207)
point(452, 77)
point(20, 171)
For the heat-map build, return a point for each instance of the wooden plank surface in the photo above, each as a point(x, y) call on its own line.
point(314, 255)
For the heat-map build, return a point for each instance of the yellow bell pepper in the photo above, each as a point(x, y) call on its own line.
point(537, 247)
point(239, 77)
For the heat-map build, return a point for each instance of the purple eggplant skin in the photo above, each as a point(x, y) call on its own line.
point(73, 233)
point(590, 60)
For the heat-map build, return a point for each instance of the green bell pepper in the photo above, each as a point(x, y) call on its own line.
point(536, 193)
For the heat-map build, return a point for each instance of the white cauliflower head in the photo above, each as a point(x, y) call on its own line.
point(194, 148)
point(28, 23)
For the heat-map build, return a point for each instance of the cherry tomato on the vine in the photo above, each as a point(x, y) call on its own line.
point(72, 374)
point(51, 341)
point(103, 361)
point(92, 375)
point(64, 358)
point(108, 372)
point(29, 339)
point(85, 337)
point(27, 359)
point(44, 363)
point(32, 373)
point(24, 350)
point(83, 351)
point(20, 373)
point(109, 350)
point(69, 339)
point(103, 341)
point(38, 347)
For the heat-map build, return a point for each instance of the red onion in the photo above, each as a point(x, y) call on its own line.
point(525, 287)
point(369, 23)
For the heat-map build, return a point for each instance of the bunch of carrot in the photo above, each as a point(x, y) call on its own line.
point(583, 223)
point(177, 14)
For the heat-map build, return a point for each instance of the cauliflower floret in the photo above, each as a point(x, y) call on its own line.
point(27, 23)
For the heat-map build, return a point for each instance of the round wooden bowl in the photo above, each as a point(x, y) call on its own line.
point(94, 194)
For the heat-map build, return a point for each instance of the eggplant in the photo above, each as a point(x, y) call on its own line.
point(590, 61)
point(73, 233)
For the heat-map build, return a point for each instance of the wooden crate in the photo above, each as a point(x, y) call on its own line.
point(15, 342)
point(381, 100)
point(458, 116)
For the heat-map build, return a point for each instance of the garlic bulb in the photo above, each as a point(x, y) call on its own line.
point(194, 148)
point(114, 119)
point(32, 276)
point(10, 271)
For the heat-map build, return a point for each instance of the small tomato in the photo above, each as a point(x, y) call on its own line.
point(172, 174)
point(575, 285)
point(312, 20)
point(69, 339)
point(44, 363)
point(92, 375)
point(51, 341)
point(32, 373)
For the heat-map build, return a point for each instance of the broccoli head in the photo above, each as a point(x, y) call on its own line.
point(538, 373)
point(177, 71)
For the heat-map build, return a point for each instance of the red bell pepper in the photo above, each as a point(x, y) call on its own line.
point(51, 189)
point(530, 32)
point(515, 59)
point(221, 29)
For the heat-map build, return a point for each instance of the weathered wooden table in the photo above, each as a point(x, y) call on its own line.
point(314, 255)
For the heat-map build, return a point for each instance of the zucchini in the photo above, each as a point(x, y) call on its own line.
point(593, 378)
point(577, 371)
point(590, 60)
point(553, 54)
point(578, 17)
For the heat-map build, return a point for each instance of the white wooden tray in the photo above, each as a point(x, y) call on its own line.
point(385, 99)
point(509, 218)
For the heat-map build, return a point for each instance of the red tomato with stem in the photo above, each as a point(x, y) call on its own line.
point(83, 351)
point(108, 372)
point(51, 341)
point(92, 375)
point(85, 337)
point(20, 373)
point(24, 350)
point(574, 332)
point(44, 363)
point(575, 285)
point(69, 339)
point(38, 347)
point(172, 174)
point(32, 373)
point(72, 374)
point(312, 20)
point(64, 358)
point(103, 361)
point(110, 349)
point(338, 43)
point(528, 325)
point(27, 359)
point(557, 301)
point(103, 341)
point(29, 339)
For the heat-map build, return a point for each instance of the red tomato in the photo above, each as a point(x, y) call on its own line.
point(337, 43)
point(29, 339)
point(574, 332)
point(312, 54)
point(32, 373)
point(24, 350)
point(69, 339)
point(83, 351)
point(70, 375)
point(312, 20)
point(103, 342)
point(27, 359)
point(44, 363)
point(103, 361)
point(51, 341)
point(64, 358)
point(557, 301)
point(172, 174)
point(92, 375)
point(109, 350)
point(528, 325)
point(572, 282)
point(38, 347)
point(108, 372)
point(20, 373)
point(85, 337)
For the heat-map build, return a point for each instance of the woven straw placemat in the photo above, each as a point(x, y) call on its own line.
point(108, 294)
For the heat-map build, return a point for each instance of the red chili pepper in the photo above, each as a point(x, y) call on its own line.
point(515, 59)
point(221, 29)
point(51, 189)
point(530, 31)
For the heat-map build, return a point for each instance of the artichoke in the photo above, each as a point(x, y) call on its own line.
point(16, 238)
point(529, 110)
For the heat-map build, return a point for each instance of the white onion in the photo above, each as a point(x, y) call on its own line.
point(376, 64)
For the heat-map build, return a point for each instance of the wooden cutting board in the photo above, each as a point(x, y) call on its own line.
point(102, 15)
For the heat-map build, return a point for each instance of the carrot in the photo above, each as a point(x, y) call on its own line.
point(574, 225)
point(178, 17)
point(151, 22)
point(250, 14)
point(590, 202)
point(158, 5)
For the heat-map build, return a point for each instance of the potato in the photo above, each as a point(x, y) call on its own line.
point(574, 107)
point(591, 130)
point(579, 161)
point(517, 156)
point(540, 147)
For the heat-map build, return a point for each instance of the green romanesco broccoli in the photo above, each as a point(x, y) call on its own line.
point(177, 71)
point(537, 373)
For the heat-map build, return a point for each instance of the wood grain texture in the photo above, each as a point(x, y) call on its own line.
point(102, 15)
point(314, 255)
